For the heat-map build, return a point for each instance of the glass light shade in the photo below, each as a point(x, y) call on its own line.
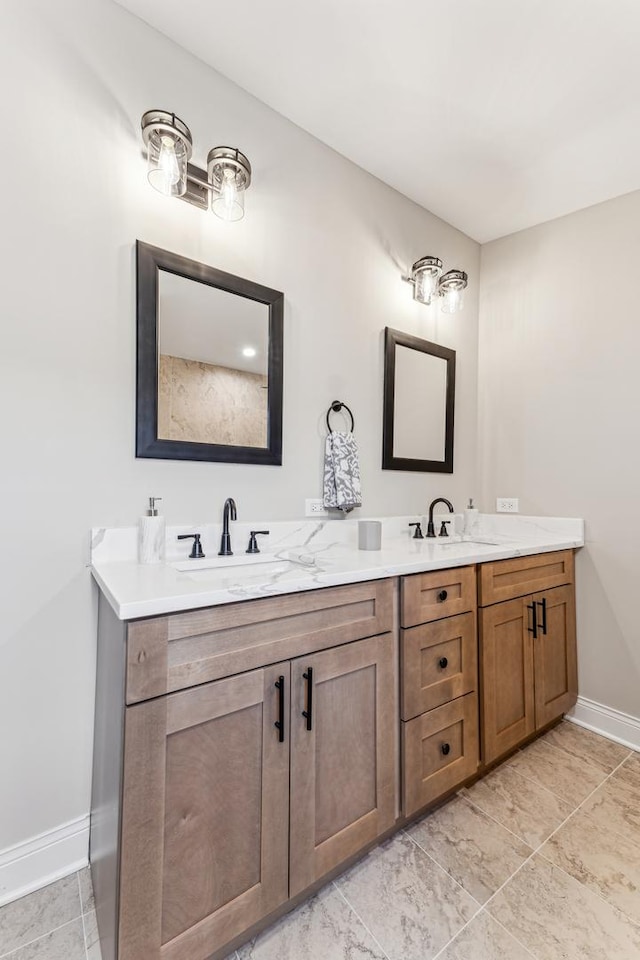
point(229, 175)
point(452, 301)
point(227, 197)
point(425, 274)
point(167, 164)
point(451, 289)
point(168, 142)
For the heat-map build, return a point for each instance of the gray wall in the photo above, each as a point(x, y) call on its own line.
point(77, 75)
point(559, 396)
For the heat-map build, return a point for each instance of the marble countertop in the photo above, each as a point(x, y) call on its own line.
point(308, 555)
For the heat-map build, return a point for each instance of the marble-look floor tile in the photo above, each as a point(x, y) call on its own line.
point(557, 918)
point(616, 804)
point(472, 848)
point(322, 928)
point(605, 861)
point(92, 940)
point(629, 772)
point(586, 745)
point(86, 891)
point(38, 913)
point(411, 906)
point(521, 805)
point(484, 939)
point(569, 778)
point(66, 943)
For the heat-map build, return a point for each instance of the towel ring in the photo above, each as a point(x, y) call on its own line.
point(336, 407)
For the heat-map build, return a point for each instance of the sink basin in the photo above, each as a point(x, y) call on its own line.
point(239, 560)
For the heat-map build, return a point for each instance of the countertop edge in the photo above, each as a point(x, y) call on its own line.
point(141, 609)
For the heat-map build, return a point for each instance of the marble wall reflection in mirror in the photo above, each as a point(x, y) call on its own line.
point(419, 392)
point(209, 363)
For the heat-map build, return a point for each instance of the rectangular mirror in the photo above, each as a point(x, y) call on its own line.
point(209, 363)
point(419, 394)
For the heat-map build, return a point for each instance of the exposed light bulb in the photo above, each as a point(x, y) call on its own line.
point(168, 165)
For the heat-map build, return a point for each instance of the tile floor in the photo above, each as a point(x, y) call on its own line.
point(541, 859)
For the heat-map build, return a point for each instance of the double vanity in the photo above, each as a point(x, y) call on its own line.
point(259, 727)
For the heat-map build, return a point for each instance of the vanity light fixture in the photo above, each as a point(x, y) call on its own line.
point(429, 282)
point(221, 187)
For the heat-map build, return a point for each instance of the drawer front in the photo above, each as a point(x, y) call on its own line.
point(439, 751)
point(439, 663)
point(181, 650)
point(432, 596)
point(507, 579)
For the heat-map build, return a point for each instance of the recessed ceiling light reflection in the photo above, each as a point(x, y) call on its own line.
point(249, 352)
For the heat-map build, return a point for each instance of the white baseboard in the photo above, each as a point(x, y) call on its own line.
point(618, 726)
point(37, 862)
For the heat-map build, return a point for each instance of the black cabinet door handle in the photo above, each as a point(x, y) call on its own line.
point(446, 749)
point(543, 625)
point(308, 713)
point(442, 596)
point(279, 724)
point(443, 663)
point(534, 628)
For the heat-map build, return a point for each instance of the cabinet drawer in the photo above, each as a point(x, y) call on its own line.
point(171, 653)
point(439, 751)
point(507, 579)
point(439, 663)
point(432, 596)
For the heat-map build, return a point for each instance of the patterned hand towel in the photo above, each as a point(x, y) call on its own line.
point(342, 472)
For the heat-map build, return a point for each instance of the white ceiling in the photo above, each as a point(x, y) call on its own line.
point(494, 114)
point(199, 322)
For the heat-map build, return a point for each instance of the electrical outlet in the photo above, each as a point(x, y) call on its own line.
point(507, 505)
point(314, 508)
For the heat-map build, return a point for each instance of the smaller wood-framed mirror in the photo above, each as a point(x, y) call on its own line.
point(419, 398)
point(210, 363)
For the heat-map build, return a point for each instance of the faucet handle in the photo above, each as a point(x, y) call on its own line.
point(253, 543)
point(417, 533)
point(443, 528)
point(196, 549)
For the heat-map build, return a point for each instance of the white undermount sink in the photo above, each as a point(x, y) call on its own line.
point(237, 560)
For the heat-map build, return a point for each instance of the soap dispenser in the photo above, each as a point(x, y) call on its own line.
point(151, 537)
point(470, 520)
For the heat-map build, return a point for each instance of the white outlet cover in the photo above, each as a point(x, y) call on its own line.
point(314, 508)
point(507, 505)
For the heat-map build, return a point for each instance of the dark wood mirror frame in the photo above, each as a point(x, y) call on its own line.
point(149, 260)
point(392, 339)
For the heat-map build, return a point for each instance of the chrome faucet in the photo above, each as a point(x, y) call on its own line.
point(225, 542)
point(430, 528)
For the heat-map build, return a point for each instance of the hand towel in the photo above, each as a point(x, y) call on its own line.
point(342, 472)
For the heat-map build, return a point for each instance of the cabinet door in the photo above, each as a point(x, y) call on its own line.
point(343, 738)
point(506, 676)
point(205, 816)
point(555, 658)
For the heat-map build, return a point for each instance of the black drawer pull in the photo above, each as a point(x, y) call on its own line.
point(308, 713)
point(279, 724)
point(443, 663)
point(534, 628)
point(442, 596)
point(446, 749)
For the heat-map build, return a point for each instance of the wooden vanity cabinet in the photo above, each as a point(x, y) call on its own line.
point(238, 793)
point(528, 659)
